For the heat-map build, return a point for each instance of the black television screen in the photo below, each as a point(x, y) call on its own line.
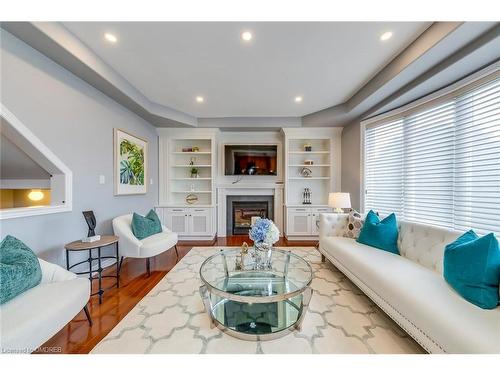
point(254, 160)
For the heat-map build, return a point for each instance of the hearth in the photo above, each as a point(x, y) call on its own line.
point(242, 208)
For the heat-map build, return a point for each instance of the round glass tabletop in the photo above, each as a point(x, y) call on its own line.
point(288, 275)
point(256, 304)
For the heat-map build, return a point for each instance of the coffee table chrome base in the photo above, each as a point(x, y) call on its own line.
point(306, 298)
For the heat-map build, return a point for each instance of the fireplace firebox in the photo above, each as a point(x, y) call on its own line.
point(241, 210)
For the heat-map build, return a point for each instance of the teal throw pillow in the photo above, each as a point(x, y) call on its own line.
point(145, 226)
point(19, 268)
point(380, 234)
point(472, 267)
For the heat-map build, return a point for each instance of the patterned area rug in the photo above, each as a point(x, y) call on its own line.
point(172, 319)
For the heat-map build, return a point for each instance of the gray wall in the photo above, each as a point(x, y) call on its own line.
point(351, 162)
point(76, 122)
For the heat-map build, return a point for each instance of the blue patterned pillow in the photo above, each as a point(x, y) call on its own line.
point(19, 268)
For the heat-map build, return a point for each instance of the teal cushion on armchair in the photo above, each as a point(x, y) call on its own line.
point(472, 267)
point(19, 268)
point(380, 234)
point(145, 226)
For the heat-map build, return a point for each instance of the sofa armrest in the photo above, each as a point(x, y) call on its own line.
point(332, 225)
point(129, 244)
point(52, 273)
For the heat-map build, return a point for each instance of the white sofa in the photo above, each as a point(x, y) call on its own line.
point(131, 246)
point(411, 289)
point(33, 317)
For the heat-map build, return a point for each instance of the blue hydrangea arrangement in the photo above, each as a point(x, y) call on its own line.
point(264, 230)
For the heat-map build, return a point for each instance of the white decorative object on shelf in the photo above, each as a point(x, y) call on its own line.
point(305, 172)
point(191, 199)
point(91, 239)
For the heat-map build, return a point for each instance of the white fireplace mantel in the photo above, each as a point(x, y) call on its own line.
point(249, 189)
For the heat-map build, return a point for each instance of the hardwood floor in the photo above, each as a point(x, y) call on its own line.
point(78, 337)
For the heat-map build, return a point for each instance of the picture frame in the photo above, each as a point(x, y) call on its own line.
point(130, 163)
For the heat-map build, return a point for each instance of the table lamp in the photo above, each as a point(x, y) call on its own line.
point(338, 201)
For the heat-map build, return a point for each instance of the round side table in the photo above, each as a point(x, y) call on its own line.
point(89, 246)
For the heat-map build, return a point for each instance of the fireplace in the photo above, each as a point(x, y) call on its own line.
point(242, 208)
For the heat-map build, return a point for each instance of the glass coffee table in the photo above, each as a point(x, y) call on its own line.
point(256, 304)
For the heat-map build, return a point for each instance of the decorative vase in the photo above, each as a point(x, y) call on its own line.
point(262, 254)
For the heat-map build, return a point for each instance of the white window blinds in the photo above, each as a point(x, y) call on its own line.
point(428, 166)
point(439, 165)
point(477, 159)
point(384, 167)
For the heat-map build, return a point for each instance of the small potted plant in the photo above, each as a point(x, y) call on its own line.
point(194, 173)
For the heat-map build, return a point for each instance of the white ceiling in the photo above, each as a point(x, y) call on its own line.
point(172, 63)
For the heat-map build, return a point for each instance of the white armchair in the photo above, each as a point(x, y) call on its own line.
point(130, 246)
point(31, 318)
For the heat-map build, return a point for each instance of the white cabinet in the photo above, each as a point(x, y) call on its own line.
point(189, 222)
point(303, 223)
point(315, 219)
point(177, 220)
point(199, 221)
point(299, 221)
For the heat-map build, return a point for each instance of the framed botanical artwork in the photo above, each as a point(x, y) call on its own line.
point(130, 163)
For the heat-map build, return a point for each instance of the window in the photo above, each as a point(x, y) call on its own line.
point(438, 163)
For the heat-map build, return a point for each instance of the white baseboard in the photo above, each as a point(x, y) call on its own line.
point(197, 238)
point(302, 238)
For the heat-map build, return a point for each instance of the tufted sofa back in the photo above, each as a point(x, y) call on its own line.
point(424, 244)
point(420, 243)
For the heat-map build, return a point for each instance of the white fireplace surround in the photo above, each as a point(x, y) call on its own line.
point(276, 190)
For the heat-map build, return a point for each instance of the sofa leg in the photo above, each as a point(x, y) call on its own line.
point(323, 258)
point(148, 266)
point(86, 310)
point(176, 253)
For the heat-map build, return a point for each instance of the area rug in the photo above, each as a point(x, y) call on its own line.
point(172, 319)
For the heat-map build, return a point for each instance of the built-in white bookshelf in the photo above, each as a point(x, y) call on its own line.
point(181, 150)
point(322, 159)
point(317, 159)
point(187, 158)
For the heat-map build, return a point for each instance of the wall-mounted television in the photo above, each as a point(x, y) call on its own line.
point(251, 160)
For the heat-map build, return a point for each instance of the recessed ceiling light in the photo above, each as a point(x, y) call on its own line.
point(200, 99)
point(246, 36)
point(386, 36)
point(110, 38)
point(298, 99)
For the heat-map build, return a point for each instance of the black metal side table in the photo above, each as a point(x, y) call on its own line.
point(89, 246)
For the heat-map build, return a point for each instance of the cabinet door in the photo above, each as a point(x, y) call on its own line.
point(199, 222)
point(299, 222)
point(315, 219)
point(315, 223)
point(178, 220)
